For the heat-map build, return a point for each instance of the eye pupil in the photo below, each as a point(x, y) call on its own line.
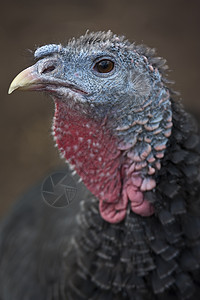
point(104, 66)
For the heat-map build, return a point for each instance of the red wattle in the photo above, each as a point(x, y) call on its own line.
point(95, 155)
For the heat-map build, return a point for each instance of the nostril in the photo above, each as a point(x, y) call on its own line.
point(48, 69)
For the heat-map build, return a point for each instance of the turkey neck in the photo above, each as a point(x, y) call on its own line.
point(116, 161)
point(97, 157)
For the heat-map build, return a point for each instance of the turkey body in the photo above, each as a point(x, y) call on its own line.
point(137, 236)
point(72, 253)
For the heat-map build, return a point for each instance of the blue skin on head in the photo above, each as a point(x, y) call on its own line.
point(129, 77)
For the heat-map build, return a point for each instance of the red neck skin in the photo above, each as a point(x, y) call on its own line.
point(96, 157)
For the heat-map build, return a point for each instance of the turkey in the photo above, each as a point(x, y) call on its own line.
point(135, 233)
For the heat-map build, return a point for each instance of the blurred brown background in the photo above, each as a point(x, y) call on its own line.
point(27, 150)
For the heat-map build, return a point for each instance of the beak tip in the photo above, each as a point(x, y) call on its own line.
point(13, 86)
point(10, 90)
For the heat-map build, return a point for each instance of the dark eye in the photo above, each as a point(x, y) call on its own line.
point(104, 66)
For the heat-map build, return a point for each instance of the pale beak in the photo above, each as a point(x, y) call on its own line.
point(25, 80)
point(40, 77)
